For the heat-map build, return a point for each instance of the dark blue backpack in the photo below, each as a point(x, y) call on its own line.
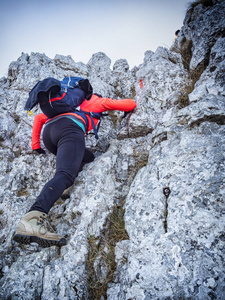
point(57, 97)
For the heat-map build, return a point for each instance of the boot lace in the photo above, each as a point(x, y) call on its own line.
point(45, 224)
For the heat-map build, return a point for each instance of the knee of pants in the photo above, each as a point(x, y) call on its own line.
point(66, 177)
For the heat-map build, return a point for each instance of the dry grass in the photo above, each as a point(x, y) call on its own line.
point(194, 75)
point(102, 250)
point(183, 99)
point(23, 192)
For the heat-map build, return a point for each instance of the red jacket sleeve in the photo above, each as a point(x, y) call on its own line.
point(97, 104)
point(39, 121)
point(123, 105)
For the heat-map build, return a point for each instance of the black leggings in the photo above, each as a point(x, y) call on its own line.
point(65, 139)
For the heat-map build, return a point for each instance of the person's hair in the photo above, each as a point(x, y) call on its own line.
point(177, 31)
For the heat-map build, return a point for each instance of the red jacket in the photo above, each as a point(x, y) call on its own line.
point(95, 104)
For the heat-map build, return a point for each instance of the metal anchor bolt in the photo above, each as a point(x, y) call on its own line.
point(166, 191)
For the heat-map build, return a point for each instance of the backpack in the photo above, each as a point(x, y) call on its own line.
point(57, 97)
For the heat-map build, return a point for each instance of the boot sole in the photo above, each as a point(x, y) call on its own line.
point(65, 196)
point(25, 239)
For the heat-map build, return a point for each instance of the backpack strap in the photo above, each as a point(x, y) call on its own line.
point(92, 115)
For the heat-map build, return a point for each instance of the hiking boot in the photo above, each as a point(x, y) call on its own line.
point(66, 193)
point(34, 227)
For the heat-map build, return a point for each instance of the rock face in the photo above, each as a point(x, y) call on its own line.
point(145, 219)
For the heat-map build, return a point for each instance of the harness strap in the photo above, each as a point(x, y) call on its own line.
point(93, 125)
point(82, 114)
point(92, 115)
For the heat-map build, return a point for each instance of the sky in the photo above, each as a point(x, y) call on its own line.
point(120, 28)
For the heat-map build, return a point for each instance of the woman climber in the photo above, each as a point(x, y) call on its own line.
point(63, 136)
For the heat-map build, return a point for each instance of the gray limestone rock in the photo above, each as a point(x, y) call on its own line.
point(145, 220)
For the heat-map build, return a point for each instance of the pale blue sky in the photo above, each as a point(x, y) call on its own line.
point(80, 28)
